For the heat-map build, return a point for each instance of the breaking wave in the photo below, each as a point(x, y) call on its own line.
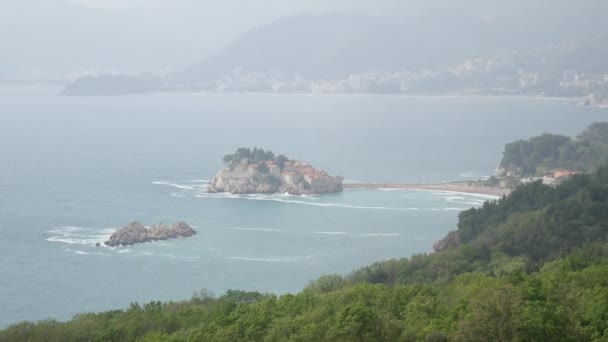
point(331, 233)
point(79, 236)
point(184, 185)
point(195, 188)
point(260, 229)
point(272, 259)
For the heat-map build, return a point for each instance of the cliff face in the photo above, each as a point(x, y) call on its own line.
point(241, 181)
point(293, 178)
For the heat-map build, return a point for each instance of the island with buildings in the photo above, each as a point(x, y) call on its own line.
point(250, 171)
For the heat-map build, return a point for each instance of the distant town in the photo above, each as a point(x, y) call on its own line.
point(502, 75)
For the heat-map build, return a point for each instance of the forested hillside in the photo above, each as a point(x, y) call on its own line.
point(539, 155)
point(532, 266)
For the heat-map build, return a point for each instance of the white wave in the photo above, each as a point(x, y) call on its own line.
point(334, 205)
point(217, 195)
point(67, 240)
point(314, 201)
point(454, 209)
point(176, 185)
point(79, 235)
point(473, 203)
point(129, 251)
point(283, 199)
point(352, 181)
point(88, 253)
point(260, 229)
point(454, 198)
point(186, 258)
point(65, 230)
point(338, 205)
point(160, 243)
point(331, 233)
point(277, 259)
point(380, 234)
point(466, 194)
point(463, 200)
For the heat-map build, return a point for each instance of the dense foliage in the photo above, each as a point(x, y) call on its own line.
point(251, 156)
point(255, 156)
point(539, 155)
point(532, 266)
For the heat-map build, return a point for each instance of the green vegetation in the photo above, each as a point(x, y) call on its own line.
point(250, 156)
point(254, 156)
point(532, 266)
point(541, 154)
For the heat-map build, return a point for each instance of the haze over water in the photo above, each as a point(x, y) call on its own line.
point(75, 169)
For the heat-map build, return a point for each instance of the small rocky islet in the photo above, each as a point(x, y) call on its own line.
point(135, 232)
point(257, 171)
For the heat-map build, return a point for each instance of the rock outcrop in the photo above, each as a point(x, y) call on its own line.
point(450, 240)
point(182, 229)
point(259, 172)
point(135, 232)
point(237, 182)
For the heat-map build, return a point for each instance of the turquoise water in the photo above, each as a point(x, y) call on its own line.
point(74, 169)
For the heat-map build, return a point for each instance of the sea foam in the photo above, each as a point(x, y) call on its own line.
point(79, 235)
point(272, 259)
point(260, 229)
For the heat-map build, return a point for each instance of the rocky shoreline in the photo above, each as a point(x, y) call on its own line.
point(135, 232)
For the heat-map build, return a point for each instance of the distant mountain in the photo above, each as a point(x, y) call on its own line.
point(335, 45)
point(331, 45)
point(587, 55)
point(55, 36)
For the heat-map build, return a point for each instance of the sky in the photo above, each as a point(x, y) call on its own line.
point(108, 4)
point(131, 35)
point(140, 35)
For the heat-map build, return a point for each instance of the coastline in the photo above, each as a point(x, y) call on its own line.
point(447, 187)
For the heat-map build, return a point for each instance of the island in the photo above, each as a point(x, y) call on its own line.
point(251, 171)
point(135, 232)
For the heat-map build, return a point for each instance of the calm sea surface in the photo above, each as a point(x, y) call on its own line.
point(72, 170)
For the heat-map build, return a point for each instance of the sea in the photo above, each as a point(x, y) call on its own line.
point(75, 169)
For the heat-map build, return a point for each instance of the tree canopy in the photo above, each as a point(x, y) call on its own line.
point(541, 154)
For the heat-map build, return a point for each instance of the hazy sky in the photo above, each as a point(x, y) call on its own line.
point(275, 7)
point(138, 34)
point(154, 34)
point(107, 4)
